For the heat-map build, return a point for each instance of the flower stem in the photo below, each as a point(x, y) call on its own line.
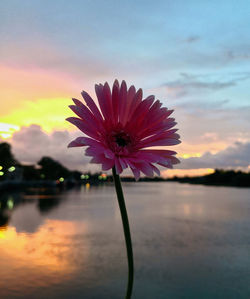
point(126, 230)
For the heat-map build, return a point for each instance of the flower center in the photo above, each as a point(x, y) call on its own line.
point(122, 139)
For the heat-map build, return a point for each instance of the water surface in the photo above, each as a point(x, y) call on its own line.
point(189, 242)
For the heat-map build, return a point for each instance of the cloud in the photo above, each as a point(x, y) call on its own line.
point(211, 127)
point(192, 39)
point(31, 143)
point(237, 55)
point(235, 156)
point(189, 84)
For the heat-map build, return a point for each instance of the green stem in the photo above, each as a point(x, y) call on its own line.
point(126, 230)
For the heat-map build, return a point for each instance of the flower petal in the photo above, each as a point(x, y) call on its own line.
point(91, 104)
point(107, 164)
point(136, 173)
point(118, 166)
point(79, 141)
point(130, 96)
point(84, 113)
point(81, 125)
point(122, 100)
point(124, 115)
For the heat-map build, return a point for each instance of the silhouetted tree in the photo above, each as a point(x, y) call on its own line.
point(6, 157)
point(30, 173)
point(52, 170)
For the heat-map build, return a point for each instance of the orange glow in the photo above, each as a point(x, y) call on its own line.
point(188, 150)
point(186, 156)
point(49, 248)
point(35, 96)
point(18, 85)
point(48, 113)
point(186, 172)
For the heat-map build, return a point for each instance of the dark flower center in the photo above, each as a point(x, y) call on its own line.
point(122, 139)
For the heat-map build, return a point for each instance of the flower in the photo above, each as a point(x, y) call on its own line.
point(125, 128)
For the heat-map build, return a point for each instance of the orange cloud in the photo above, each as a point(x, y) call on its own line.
point(187, 150)
point(36, 96)
point(30, 84)
point(48, 113)
point(186, 172)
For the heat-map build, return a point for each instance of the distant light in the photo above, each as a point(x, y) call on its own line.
point(12, 168)
point(61, 180)
point(1, 173)
point(104, 176)
point(87, 185)
point(10, 204)
point(86, 176)
point(42, 176)
point(1, 167)
point(82, 176)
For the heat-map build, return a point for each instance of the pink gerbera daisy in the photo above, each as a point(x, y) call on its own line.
point(124, 130)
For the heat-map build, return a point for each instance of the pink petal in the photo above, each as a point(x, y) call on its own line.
point(161, 127)
point(170, 134)
point(109, 154)
point(136, 173)
point(87, 116)
point(101, 100)
point(91, 104)
point(140, 112)
point(93, 151)
point(81, 125)
point(122, 100)
point(135, 102)
point(77, 142)
point(155, 169)
point(145, 168)
point(130, 96)
point(153, 120)
point(108, 100)
point(118, 166)
point(107, 164)
point(123, 163)
point(115, 100)
point(143, 121)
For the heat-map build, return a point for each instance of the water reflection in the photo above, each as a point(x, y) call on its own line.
point(50, 247)
point(189, 242)
point(45, 200)
point(4, 218)
point(7, 203)
point(37, 251)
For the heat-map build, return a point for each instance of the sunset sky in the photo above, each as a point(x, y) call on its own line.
point(193, 55)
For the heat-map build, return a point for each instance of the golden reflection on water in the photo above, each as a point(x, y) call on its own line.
point(50, 248)
point(192, 210)
point(186, 209)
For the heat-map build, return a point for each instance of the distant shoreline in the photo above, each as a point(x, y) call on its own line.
point(225, 178)
point(218, 178)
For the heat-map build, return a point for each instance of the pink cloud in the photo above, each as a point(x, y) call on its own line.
point(31, 143)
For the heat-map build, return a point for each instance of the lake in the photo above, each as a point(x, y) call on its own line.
point(189, 241)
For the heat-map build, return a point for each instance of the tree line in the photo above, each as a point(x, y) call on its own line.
point(46, 168)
